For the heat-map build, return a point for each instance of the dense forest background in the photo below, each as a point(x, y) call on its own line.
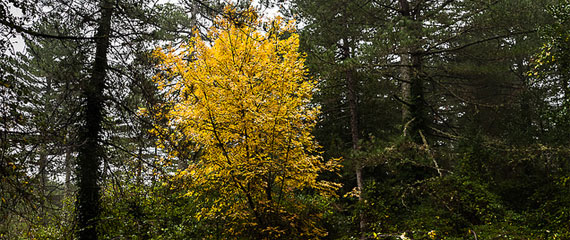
point(450, 119)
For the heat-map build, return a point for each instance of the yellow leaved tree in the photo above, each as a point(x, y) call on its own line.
point(245, 100)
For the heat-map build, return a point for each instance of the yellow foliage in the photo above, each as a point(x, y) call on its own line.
point(246, 101)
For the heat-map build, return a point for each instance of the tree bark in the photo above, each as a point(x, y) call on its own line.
point(412, 83)
point(90, 151)
point(352, 106)
point(418, 125)
point(43, 169)
point(405, 80)
point(67, 168)
point(405, 71)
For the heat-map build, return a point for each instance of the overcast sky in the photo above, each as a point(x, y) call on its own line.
point(18, 41)
point(19, 44)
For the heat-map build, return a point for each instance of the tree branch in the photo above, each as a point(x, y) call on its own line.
point(478, 42)
point(21, 29)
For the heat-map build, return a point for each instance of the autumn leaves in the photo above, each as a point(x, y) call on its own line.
point(245, 101)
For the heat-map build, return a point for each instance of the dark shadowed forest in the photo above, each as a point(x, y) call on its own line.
point(285, 119)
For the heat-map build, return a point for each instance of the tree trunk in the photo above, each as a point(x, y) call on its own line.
point(194, 18)
point(43, 183)
point(405, 80)
point(43, 169)
point(67, 168)
point(405, 75)
point(418, 124)
point(412, 83)
point(139, 160)
point(90, 150)
point(182, 163)
point(352, 106)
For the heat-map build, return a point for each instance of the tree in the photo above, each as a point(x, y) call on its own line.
point(66, 29)
point(90, 150)
point(246, 101)
point(436, 53)
point(45, 78)
point(551, 71)
point(336, 34)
